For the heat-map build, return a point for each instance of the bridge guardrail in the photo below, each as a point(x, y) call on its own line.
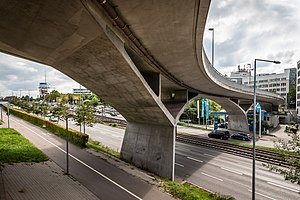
point(221, 78)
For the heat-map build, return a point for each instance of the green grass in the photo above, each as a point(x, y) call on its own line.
point(263, 148)
point(187, 191)
point(191, 126)
point(15, 148)
point(100, 147)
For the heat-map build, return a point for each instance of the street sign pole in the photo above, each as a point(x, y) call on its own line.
point(198, 111)
point(259, 134)
point(1, 113)
point(67, 144)
point(8, 115)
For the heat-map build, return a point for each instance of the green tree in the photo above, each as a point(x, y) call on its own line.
point(53, 95)
point(292, 95)
point(291, 173)
point(190, 111)
point(84, 115)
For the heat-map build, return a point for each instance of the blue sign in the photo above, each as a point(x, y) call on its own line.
point(202, 108)
point(257, 107)
point(207, 108)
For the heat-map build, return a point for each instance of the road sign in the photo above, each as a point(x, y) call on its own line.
point(258, 107)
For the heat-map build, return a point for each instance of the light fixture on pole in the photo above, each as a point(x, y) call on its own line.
point(212, 46)
point(254, 121)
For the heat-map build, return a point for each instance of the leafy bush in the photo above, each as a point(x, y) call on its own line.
point(75, 137)
point(187, 191)
point(181, 124)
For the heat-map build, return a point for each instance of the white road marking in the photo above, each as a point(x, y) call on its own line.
point(209, 155)
point(194, 159)
point(180, 165)
point(211, 176)
point(91, 168)
point(263, 195)
point(284, 187)
point(233, 171)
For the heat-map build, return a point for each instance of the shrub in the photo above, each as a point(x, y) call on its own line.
point(75, 137)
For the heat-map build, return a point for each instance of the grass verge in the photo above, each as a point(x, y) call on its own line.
point(264, 148)
point(100, 147)
point(187, 191)
point(15, 148)
point(191, 126)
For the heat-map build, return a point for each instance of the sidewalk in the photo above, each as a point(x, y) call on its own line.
point(36, 181)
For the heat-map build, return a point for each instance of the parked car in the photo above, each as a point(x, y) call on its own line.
point(241, 136)
point(223, 135)
point(223, 125)
point(53, 119)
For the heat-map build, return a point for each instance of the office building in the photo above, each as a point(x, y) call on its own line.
point(298, 91)
point(279, 83)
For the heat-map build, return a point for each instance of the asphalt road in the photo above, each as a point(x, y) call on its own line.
point(214, 171)
point(106, 181)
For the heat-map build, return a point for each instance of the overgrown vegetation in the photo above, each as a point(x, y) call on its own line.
point(187, 191)
point(100, 147)
point(15, 148)
point(292, 173)
point(190, 112)
point(1, 122)
point(75, 137)
point(192, 126)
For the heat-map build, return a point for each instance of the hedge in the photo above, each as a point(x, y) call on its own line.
point(75, 137)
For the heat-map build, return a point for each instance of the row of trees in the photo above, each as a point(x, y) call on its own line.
point(190, 111)
point(83, 115)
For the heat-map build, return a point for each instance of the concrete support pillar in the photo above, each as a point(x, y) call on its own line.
point(238, 122)
point(150, 147)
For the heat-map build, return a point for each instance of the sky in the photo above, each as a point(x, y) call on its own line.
point(244, 30)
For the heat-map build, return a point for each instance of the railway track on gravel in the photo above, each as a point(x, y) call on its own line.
point(265, 156)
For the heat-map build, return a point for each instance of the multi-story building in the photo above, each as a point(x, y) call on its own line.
point(278, 83)
point(298, 91)
point(81, 91)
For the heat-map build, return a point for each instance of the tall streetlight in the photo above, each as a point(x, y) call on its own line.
point(254, 121)
point(249, 69)
point(212, 46)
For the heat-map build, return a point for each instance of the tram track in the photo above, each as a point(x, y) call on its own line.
point(269, 157)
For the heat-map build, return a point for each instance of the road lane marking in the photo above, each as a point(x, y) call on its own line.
point(194, 159)
point(180, 165)
point(209, 155)
point(83, 163)
point(263, 195)
point(233, 171)
point(211, 176)
point(284, 187)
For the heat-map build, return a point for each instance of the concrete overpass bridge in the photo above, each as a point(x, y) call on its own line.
point(145, 58)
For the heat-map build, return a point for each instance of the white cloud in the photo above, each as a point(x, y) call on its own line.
point(249, 29)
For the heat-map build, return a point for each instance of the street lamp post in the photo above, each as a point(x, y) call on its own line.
point(249, 70)
point(254, 121)
point(212, 46)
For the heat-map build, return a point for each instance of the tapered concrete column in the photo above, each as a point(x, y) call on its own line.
point(238, 122)
point(237, 118)
point(150, 147)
